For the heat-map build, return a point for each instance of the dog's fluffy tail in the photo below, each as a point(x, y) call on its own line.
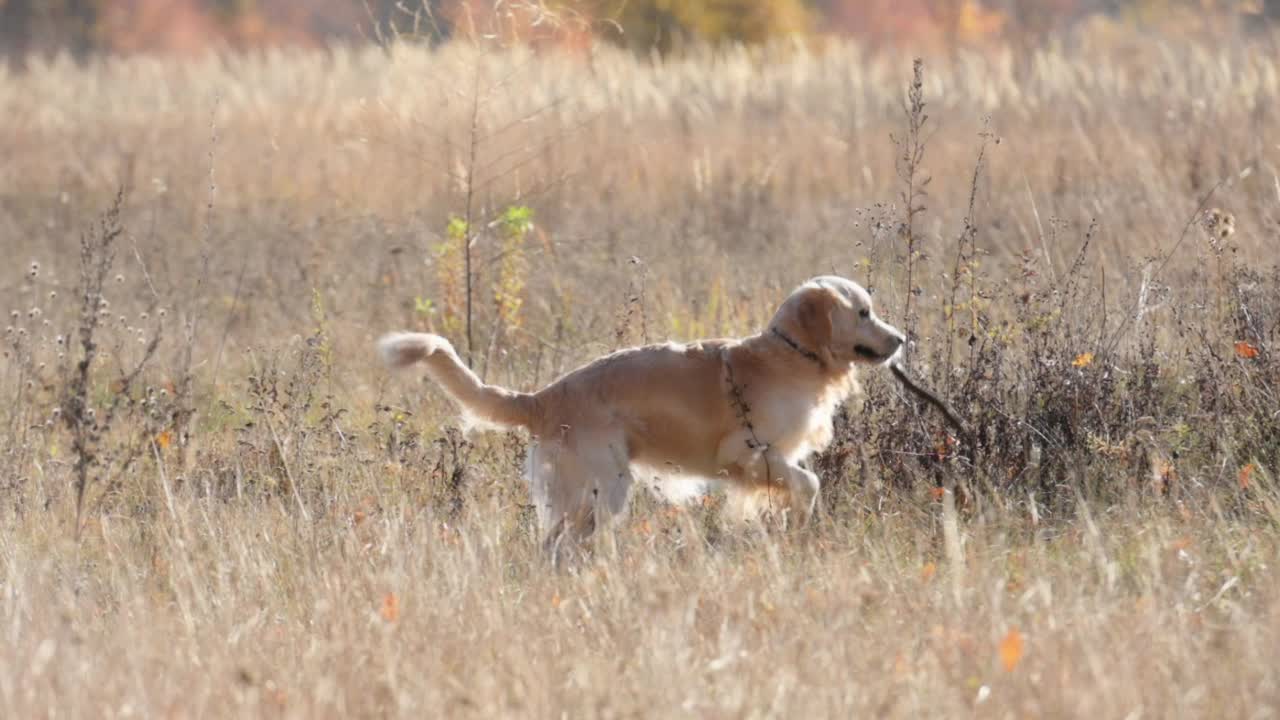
point(485, 403)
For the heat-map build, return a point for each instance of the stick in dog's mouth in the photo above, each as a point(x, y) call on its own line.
point(932, 399)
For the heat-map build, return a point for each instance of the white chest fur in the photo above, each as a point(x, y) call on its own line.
point(796, 418)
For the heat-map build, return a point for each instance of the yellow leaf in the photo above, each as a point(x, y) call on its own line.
point(1011, 650)
point(391, 607)
point(1083, 360)
point(976, 22)
point(164, 440)
point(1246, 350)
point(1245, 473)
point(900, 666)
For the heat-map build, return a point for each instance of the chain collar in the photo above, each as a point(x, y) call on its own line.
point(804, 352)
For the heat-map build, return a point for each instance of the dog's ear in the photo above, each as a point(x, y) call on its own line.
point(813, 318)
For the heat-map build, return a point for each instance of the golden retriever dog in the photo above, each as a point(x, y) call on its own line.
point(743, 411)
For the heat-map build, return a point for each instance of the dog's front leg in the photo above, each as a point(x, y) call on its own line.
point(802, 485)
point(764, 466)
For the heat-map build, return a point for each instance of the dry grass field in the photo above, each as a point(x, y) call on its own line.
point(215, 502)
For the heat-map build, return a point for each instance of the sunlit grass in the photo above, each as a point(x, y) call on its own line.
point(296, 533)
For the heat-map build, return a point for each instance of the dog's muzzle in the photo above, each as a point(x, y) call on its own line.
point(870, 354)
point(867, 353)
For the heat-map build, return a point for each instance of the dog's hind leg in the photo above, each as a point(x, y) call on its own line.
point(612, 469)
point(540, 470)
point(577, 483)
point(562, 517)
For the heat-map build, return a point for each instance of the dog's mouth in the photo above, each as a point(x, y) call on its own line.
point(868, 354)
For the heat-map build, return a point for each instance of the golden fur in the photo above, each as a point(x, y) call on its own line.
point(676, 406)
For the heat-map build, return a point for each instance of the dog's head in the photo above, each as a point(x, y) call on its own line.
point(834, 318)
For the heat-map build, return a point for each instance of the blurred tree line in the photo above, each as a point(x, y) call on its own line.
point(84, 26)
point(34, 24)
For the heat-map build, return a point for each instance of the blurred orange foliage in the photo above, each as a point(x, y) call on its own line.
point(915, 21)
point(390, 607)
point(191, 26)
point(1011, 649)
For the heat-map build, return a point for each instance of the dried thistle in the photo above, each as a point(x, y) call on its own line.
point(1219, 225)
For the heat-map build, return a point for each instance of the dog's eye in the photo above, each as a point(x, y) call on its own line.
point(864, 313)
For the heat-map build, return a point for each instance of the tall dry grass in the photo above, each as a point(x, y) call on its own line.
point(272, 526)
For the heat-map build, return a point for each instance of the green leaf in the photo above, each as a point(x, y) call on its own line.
point(516, 220)
point(457, 229)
